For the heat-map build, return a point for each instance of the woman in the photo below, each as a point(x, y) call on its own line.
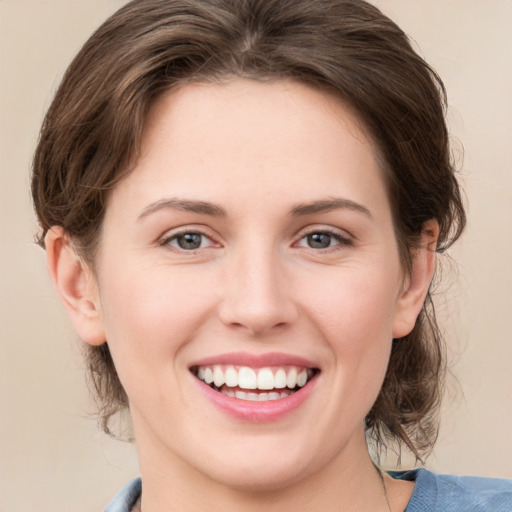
point(241, 203)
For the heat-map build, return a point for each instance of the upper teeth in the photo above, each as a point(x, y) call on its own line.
point(245, 377)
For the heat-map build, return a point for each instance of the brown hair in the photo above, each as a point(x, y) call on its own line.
point(93, 127)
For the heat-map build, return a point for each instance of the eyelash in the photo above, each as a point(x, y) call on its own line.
point(340, 239)
point(167, 241)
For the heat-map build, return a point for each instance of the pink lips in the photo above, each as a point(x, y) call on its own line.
point(255, 360)
point(263, 411)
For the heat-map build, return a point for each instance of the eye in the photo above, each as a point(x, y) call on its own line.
point(323, 240)
point(188, 241)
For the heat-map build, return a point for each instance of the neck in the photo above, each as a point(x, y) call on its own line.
point(337, 485)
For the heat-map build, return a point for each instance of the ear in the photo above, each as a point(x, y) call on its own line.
point(76, 286)
point(417, 283)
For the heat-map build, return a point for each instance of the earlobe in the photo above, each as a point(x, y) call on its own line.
point(418, 281)
point(76, 286)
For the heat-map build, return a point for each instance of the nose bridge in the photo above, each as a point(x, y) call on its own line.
point(257, 294)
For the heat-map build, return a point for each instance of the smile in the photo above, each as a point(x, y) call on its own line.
point(254, 384)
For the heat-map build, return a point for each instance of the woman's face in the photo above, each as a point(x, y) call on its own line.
point(252, 243)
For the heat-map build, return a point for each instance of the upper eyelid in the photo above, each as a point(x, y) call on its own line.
point(340, 239)
point(319, 228)
point(182, 230)
point(173, 236)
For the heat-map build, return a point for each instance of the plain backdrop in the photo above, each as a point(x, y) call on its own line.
point(52, 457)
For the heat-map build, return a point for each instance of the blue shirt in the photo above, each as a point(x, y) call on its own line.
point(432, 493)
point(451, 493)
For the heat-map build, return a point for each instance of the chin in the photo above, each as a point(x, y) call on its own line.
point(262, 470)
point(262, 479)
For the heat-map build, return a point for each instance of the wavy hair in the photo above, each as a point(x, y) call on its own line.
point(348, 47)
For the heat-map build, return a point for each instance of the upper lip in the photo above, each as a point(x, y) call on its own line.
point(255, 360)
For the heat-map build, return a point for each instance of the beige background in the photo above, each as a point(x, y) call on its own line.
point(52, 458)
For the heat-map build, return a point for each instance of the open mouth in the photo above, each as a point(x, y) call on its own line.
point(255, 384)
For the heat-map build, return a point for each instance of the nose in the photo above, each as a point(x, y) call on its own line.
point(258, 294)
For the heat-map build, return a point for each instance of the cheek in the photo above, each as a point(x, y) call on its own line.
point(152, 314)
point(355, 316)
point(354, 302)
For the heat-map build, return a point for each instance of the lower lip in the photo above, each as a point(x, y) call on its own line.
point(257, 412)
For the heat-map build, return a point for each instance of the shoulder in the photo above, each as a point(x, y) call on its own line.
point(451, 493)
point(125, 499)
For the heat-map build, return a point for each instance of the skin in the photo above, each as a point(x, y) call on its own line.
point(255, 285)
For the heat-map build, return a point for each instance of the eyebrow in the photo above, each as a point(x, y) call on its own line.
point(206, 208)
point(327, 205)
point(201, 207)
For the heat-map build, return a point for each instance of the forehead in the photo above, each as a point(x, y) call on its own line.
point(244, 135)
point(250, 104)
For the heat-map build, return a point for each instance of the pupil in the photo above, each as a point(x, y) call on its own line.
point(190, 241)
point(319, 240)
